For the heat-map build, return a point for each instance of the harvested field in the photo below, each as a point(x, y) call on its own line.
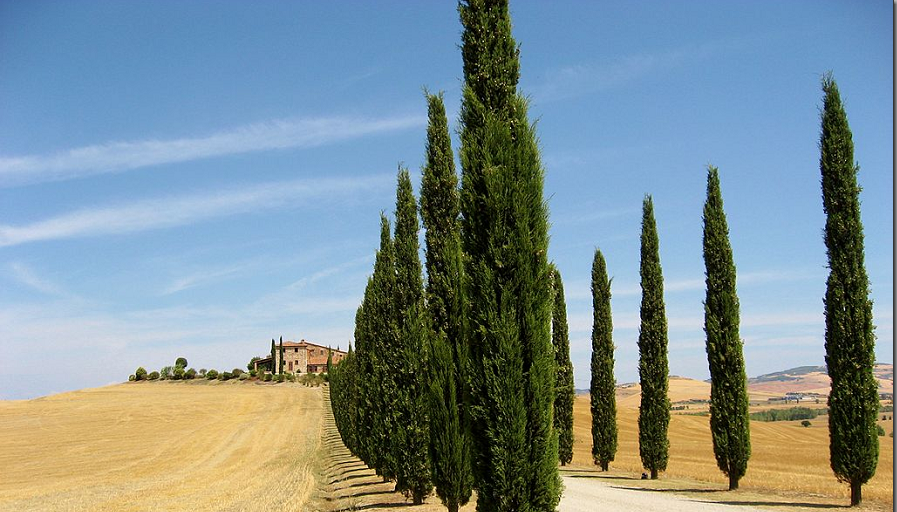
point(162, 446)
point(787, 459)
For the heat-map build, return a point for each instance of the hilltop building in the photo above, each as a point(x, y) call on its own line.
point(301, 357)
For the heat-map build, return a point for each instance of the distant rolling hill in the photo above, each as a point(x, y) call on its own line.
point(802, 379)
point(813, 379)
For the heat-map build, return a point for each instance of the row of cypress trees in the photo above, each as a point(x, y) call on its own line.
point(456, 386)
point(468, 384)
point(849, 338)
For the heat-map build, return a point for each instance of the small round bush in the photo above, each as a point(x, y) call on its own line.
point(140, 374)
point(131, 378)
point(805, 423)
point(880, 430)
point(154, 375)
point(267, 377)
point(178, 373)
point(202, 372)
point(190, 374)
point(224, 376)
point(212, 374)
point(244, 376)
point(236, 372)
point(181, 361)
point(253, 373)
point(280, 377)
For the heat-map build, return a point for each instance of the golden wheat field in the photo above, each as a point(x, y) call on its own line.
point(162, 446)
point(786, 457)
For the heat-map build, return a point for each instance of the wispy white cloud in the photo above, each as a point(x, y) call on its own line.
point(200, 278)
point(181, 210)
point(120, 156)
point(25, 275)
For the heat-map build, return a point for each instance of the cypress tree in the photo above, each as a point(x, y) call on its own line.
point(273, 356)
point(280, 369)
point(449, 439)
point(602, 390)
point(729, 420)
point(565, 392)
point(511, 372)
point(411, 446)
point(849, 338)
point(329, 360)
point(653, 370)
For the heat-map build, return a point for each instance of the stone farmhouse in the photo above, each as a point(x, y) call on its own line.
point(301, 357)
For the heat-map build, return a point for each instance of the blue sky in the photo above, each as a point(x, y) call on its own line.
point(195, 178)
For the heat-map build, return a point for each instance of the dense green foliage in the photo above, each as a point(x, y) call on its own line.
point(449, 439)
point(511, 372)
point(729, 425)
point(849, 338)
point(790, 414)
point(140, 373)
point(602, 390)
point(273, 356)
point(251, 365)
point(212, 374)
point(653, 367)
point(411, 444)
point(181, 361)
point(565, 391)
point(280, 363)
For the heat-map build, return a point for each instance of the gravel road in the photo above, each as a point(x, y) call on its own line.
point(591, 494)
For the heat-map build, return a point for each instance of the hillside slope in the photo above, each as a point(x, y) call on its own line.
point(162, 446)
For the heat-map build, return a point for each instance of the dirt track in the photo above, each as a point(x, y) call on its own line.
point(583, 493)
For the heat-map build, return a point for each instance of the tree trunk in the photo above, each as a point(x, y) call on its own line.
point(418, 498)
point(733, 483)
point(563, 463)
point(653, 474)
point(604, 465)
point(452, 507)
point(856, 493)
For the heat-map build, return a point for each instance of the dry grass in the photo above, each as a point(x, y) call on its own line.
point(162, 446)
point(787, 459)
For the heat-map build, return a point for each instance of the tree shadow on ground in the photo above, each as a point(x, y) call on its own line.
point(599, 476)
point(761, 503)
point(649, 489)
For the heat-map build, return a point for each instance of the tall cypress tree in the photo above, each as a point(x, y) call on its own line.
point(411, 436)
point(565, 391)
point(602, 391)
point(280, 369)
point(729, 420)
point(379, 359)
point(849, 338)
point(653, 370)
point(505, 238)
point(449, 438)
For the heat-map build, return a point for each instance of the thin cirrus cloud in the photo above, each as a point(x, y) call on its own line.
point(122, 156)
point(182, 210)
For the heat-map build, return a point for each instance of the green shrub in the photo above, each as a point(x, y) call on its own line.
point(244, 376)
point(166, 372)
point(805, 423)
point(880, 430)
point(268, 377)
point(140, 374)
point(212, 374)
point(251, 365)
point(253, 373)
point(202, 372)
point(178, 373)
point(131, 378)
point(181, 361)
point(280, 377)
point(224, 376)
point(154, 375)
point(236, 372)
point(791, 414)
point(190, 374)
